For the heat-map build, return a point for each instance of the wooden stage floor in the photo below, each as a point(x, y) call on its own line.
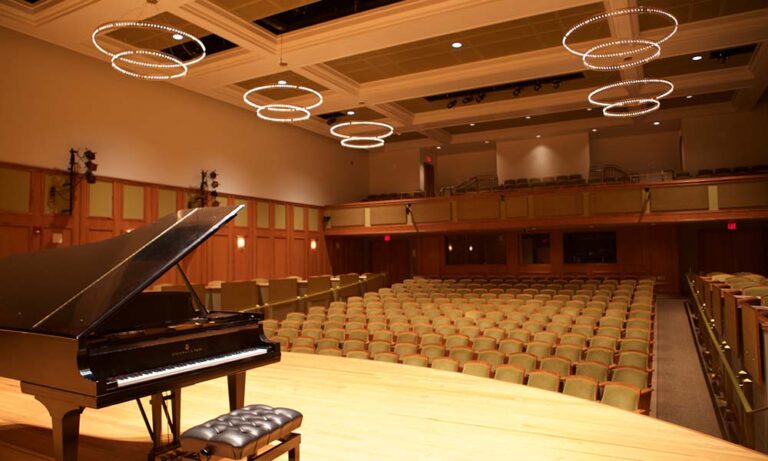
point(366, 410)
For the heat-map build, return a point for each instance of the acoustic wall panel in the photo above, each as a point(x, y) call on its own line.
point(687, 198)
point(279, 216)
point(546, 205)
point(133, 202)
point(392, 214)
point(616, 201)
point(516, 207)
point(743, 195)
point(313, 216)
point(479, 208)
point(298, 218)
point(15, 190)
point(100, 199)
point(241, 220)
point(347, 217)
point(59, 202)
point(431, 212)
point(262, 215)
point(166, 202)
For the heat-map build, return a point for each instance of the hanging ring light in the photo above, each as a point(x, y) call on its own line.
point(129, 56)
point(262, 110)
point(362, 141)
point(623, 12)
point(647, 46)
point(652, 102)
point(122, 56)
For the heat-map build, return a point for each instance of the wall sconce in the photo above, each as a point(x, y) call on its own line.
point(313, 244)
point(450, 247)
point(471, 249)
point(240, 242)
point(57, 238)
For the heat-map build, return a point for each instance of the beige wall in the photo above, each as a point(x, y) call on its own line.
point(637, 153)
point(452, 169)
point(729, 140)
point(548, 156)
point(53, 99)
point(395, 171)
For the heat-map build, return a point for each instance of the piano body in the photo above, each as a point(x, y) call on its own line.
point(78, 330)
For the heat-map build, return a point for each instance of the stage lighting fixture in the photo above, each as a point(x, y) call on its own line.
point(517, 91)
point(537, 85)
point(89, 177)
point(451, 104)
point(480, 97)
point(555, 84)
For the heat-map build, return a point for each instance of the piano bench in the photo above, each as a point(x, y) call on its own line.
point(244, 432)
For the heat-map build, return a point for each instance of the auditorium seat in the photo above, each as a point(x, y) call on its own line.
point(461, 354)
point(600, 354)
point(543, 379)
point(493, 357)
point(477, 368)
point(620, 395)
point(445, 364)
point(580, 386)
point(570, 352)
point(633, 359)
point(330, 351)
point(559, 365)
point(523, 360)
point(595, 370)
point(509, 373)
point(511, 346)
point(415, 360)
point(390, 357)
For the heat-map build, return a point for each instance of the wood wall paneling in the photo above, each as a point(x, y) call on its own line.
point(616, 201)
point(262, 215)
point(242, 218)
point(265, 256)
point(679, 198)
point(14, 240)
point(280, 259)
point(133, 202)
point(279, 216)
point(431, 212)
point(298, 218)
point(477, 209)
point(100, 195)
point(516, 206)
point(547, 205)
point(347, 217)
point(392, 214)
point(218, 248)
point(313, 219)
point(166, 202)
point(15, 187)
point(742, 195)
point(298, 260)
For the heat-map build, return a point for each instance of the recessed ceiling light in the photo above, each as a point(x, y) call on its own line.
point(487, 142)
point(594, 130)
point(656, 123)
point(589, 109)
point(178, 37)
point(698, 57)
point(538, 136)
point(350, 112)
point(471, 124)
point(439, 147)
point(527, 117)
point(689, 96)
point(282, 82)
point(457, 44)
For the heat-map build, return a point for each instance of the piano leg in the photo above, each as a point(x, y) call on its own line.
point(65, 421)
point(236, 384)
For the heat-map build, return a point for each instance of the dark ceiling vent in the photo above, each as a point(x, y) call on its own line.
point(317, 13)
point(516, 87)
point(188, 50)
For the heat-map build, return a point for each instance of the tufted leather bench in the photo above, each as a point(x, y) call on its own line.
point(244, 432)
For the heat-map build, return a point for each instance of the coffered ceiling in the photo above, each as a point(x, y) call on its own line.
point(393, 60)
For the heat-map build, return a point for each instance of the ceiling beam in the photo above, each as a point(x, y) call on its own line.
point(747, 98)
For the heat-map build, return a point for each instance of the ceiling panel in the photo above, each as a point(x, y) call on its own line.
point(257, 9)
point(507, 38)
point(695, 10)
point(684, 64)
point(401, 137)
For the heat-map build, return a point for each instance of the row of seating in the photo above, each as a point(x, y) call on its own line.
point(495, 332)
point(709, 172)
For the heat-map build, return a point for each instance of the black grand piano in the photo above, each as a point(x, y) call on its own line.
point(78, 330)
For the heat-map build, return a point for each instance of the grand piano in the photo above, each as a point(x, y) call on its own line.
point(78, 329)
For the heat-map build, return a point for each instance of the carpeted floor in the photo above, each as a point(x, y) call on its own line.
point(681, 392)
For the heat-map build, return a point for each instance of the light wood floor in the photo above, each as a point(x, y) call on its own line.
point(365, 410)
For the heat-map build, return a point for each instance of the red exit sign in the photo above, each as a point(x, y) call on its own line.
point(732, 225)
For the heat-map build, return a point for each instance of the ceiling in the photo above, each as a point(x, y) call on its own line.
point(392, 61)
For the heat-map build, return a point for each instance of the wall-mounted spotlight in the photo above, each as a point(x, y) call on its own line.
point(240, 242)
point(313, 245)
point(517, 91)
point(480, 98)
point(451, 104)
point(537, 85)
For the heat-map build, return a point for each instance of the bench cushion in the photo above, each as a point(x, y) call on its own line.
point(241, 432)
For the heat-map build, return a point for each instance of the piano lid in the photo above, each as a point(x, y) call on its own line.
point(70, 291)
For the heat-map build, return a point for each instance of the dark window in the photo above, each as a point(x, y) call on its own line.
point(589, 247)
point(534, 249)
point(475, 249)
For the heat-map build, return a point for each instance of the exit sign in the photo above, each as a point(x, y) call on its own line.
point(732, 225)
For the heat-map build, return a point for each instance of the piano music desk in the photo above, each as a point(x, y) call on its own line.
point(365, 410)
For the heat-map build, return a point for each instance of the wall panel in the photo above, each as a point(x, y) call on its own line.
point(679, 198)
point(431, 212)
point(476, 209)
point(14, 190)
point(14, 240)
point(742, 195)
point(393, 214)
point(546, 205)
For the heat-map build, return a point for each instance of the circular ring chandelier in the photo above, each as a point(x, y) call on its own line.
point(360, 141)
point(647, 46)
point(122, 56)
point(128, 57)
point(262, 110)
point(652, 103)
point(625, 11)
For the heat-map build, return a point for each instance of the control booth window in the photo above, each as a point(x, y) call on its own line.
point(475, 249)
point(589, 247)
point(534, 249)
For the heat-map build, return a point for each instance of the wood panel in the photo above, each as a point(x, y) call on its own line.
point(426, 414)
point(616, 201)
point(477, 209)
point(14, 240)
point(133, 202)
point(753, 348)
point(347, 217)
point(679, 198)
point(298, 261)
point(742, 195)
point(515, 207)
point(280, 259)
point(15, 186)
point(166, 202)
point(280, 218)
point(394, 214)
point(548, 205)
point(430, 212)
point(218, 249)
point(265, 257)
point(100, 196)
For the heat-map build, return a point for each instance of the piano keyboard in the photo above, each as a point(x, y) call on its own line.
point(150, 375)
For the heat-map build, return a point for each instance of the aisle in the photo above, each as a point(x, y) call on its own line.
point(682, 396)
